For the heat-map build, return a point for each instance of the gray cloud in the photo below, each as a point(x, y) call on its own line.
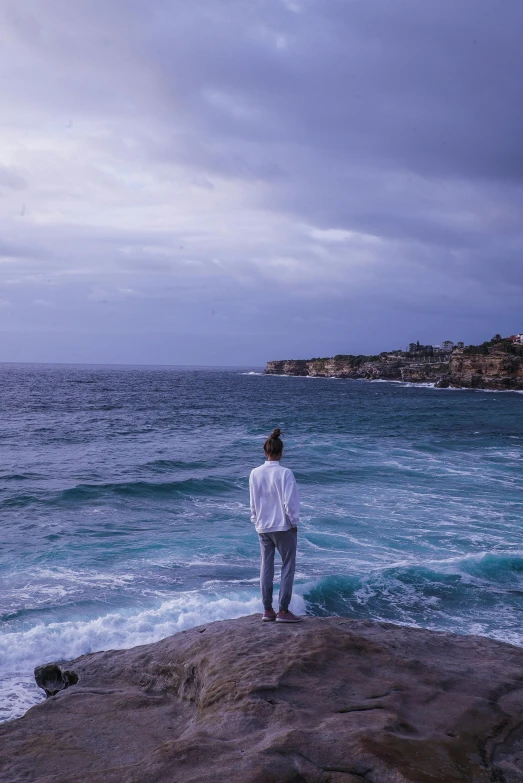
point(351, 170)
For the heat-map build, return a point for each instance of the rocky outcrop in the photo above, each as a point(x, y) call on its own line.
point(426, 373)
point(52, 678)
point(288, 367)
point(495, 370)
point(336, 368)
point(328, 701)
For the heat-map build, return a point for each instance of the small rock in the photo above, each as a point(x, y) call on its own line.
point(52, 678)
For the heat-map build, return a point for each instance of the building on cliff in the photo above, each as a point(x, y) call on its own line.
point(418, 349)
point(427, 354)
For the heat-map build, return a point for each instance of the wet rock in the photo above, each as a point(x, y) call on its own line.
point(52, 678)
point(330, 700)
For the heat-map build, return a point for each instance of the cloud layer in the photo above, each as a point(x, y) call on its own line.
point(231, 182)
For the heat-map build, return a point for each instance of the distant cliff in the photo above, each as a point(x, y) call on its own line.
point(375, 368)
point(495, 369)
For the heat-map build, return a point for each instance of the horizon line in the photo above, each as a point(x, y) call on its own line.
point(127, 364)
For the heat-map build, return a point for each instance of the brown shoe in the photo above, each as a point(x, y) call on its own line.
point(269, 616)
point(287, 617)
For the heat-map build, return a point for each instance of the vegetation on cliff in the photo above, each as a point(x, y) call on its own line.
point(497, 344)
point(356, 360)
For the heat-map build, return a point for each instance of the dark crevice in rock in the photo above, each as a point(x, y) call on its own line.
point(383, 695)
point(357, 772)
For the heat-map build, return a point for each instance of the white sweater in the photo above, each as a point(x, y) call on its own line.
point(275, 504)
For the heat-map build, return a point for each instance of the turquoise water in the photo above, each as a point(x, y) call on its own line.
point(124, 506)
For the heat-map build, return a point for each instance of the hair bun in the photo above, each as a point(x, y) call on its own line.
point(273, 446)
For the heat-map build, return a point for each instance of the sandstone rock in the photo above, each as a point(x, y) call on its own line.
point(287, 368)
point(496, 370)
point(335, 368)
point(328, 701)
point(428, 373)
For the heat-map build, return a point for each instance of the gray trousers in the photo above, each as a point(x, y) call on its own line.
point(285, 542)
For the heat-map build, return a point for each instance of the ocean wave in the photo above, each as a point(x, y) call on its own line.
point(461, 595)
point(21, 477)
point(165, 465)
point(191, 486)
point(403, 384)
point(495, 569)
point(21, 651)
point(207, 486)
point(432, 385)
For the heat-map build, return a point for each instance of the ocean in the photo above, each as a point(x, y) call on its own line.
point(124, 506)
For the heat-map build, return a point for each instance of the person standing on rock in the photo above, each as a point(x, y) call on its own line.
point(275, 512)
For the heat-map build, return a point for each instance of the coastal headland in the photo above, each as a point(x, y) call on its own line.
point(331, 700)
point(496, 364)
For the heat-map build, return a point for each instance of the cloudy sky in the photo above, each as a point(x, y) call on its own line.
point(233, 181)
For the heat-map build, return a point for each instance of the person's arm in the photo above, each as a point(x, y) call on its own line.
point(292, 499)
point(253, 501)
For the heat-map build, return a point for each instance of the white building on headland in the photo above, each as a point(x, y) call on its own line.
point(447, 346)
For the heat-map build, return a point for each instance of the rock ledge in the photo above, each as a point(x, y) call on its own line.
point(330, 700)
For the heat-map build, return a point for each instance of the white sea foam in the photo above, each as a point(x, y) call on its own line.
point(479, 389)
point(404, 384)
point(21, 651)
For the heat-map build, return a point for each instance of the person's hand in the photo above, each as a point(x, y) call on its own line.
point(294, 529)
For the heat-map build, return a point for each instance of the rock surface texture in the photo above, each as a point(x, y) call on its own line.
point(328, 701)
point(336, 368)
point(497, 370)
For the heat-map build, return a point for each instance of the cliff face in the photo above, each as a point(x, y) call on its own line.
point(428, 373)
point(336, 368)
point(331, 700)
point(287, 367)
point(497, 370)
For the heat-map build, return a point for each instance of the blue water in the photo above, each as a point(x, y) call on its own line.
point(124, 506)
